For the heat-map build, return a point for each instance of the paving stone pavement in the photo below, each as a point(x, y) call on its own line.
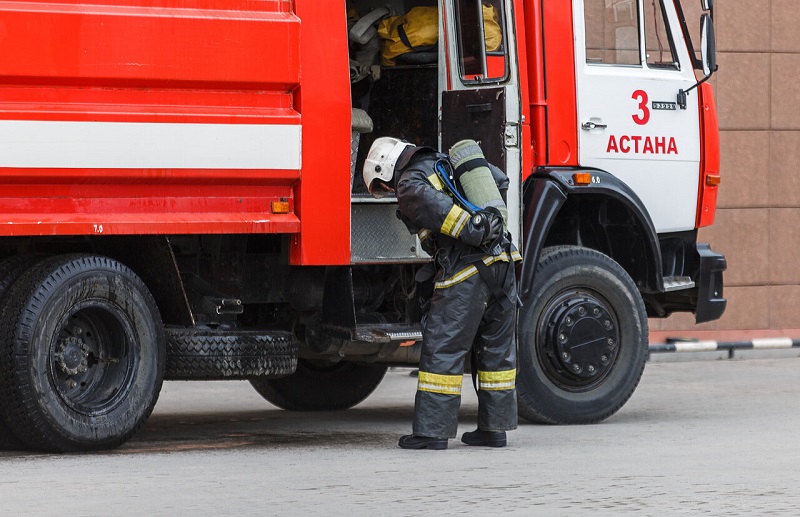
point(702, 437)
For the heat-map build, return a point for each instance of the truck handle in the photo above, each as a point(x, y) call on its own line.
point(588, 126)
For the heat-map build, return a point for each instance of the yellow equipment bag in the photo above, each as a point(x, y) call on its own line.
point(418, 31)
point(415, 31)
point(492, 33)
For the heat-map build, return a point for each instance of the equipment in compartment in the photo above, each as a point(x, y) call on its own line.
point(401, 100)
point(404, 104)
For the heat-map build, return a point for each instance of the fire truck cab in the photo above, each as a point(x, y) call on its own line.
point(181, 195)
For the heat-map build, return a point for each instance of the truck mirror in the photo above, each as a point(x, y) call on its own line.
point(708, 51)
point(708, 45)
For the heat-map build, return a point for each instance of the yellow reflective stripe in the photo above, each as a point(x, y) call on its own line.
point(469, 271)
point(423, 234)
point(462, 222)
point(516, 256)
point(454, 222)
point(495, 381)
point(497, 376)
point(457, 278)
point(439, 383)
point(434, 180)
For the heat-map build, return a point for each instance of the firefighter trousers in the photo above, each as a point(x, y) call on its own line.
point(465, 315)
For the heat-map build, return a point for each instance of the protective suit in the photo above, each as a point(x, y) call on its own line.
point(472, 308)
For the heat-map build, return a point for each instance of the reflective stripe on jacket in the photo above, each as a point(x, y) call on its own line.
point(444, 228)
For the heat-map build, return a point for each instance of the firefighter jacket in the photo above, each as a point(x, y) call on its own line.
point(469, 309)
point(446, 230)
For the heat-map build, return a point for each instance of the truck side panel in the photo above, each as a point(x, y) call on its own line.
point(324, 100)
point(130, 117)
point(57, 44)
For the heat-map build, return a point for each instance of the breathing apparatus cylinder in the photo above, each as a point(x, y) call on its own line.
point(473, 174)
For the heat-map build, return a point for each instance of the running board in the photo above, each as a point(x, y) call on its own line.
point(387, 333)
point(677, 283)
point(380, 333)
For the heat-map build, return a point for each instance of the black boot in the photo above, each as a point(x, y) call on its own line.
point(485, 438)
point(411, 441)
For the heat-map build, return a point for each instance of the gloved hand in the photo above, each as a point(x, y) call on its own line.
point(483, 228)
point(493, 227)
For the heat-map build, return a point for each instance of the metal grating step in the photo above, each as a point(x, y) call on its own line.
point(383, 333)
point(677, 283)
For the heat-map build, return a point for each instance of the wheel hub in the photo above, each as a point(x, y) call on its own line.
point(582, 340)
point(72, 356)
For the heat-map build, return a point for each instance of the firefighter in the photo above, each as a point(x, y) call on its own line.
point(474, 300)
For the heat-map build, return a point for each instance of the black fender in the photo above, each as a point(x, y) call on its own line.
point(547, 191)
point(152, 259)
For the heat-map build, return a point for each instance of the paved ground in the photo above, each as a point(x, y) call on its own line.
point(713, 437)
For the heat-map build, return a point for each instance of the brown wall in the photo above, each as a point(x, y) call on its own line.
point(758, 212)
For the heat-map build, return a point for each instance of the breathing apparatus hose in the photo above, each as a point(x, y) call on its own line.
point(444, 175)
point(441, 167)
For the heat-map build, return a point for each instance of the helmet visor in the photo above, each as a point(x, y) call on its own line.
point(379, 189)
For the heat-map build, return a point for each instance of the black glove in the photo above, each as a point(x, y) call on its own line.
point(493, 227)
point(483, 228)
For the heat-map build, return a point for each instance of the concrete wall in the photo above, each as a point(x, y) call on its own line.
point(758, 217)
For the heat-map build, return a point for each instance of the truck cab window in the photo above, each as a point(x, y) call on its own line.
point(612, 32)
point(481, 41)
point(659, 46)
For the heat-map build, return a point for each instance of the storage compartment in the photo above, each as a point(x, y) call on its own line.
point(402, 100)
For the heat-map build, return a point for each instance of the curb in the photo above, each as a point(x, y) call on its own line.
point(727, 349)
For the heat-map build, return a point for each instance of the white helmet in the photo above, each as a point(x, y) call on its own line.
point(380, 163)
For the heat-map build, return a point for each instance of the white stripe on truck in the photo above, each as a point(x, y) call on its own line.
point(130, 145)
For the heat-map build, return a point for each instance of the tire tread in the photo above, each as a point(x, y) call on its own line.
point(18, 397)
point(213, 354)
point(553, 262)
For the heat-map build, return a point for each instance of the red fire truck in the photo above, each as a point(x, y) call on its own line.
point(180, 196)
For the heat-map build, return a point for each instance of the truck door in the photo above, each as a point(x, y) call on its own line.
point(479, 86)
point(631, 63)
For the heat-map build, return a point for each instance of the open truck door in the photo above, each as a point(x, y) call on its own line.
point(479, 87)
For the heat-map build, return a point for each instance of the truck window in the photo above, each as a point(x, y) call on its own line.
point(481, 41)
point(612, 32)
point(659, 47)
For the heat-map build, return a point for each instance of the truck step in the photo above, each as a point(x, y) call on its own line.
point(214, 354)
point(387, 332)
point(677, 283)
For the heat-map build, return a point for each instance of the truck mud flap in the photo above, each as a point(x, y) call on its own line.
point(710, 303)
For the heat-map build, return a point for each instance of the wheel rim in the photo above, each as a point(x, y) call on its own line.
point(577, 339)
point(91, 364)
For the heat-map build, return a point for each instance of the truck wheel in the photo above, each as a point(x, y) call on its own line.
point(225, 354)
point(582, 338)
point(321, 386)
point(82, 354)
point(11, 268)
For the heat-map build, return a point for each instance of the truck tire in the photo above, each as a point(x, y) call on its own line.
point(82, 354)
point(582, 338)
point(321, 386)
point(226, 355)
point(11, 268)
